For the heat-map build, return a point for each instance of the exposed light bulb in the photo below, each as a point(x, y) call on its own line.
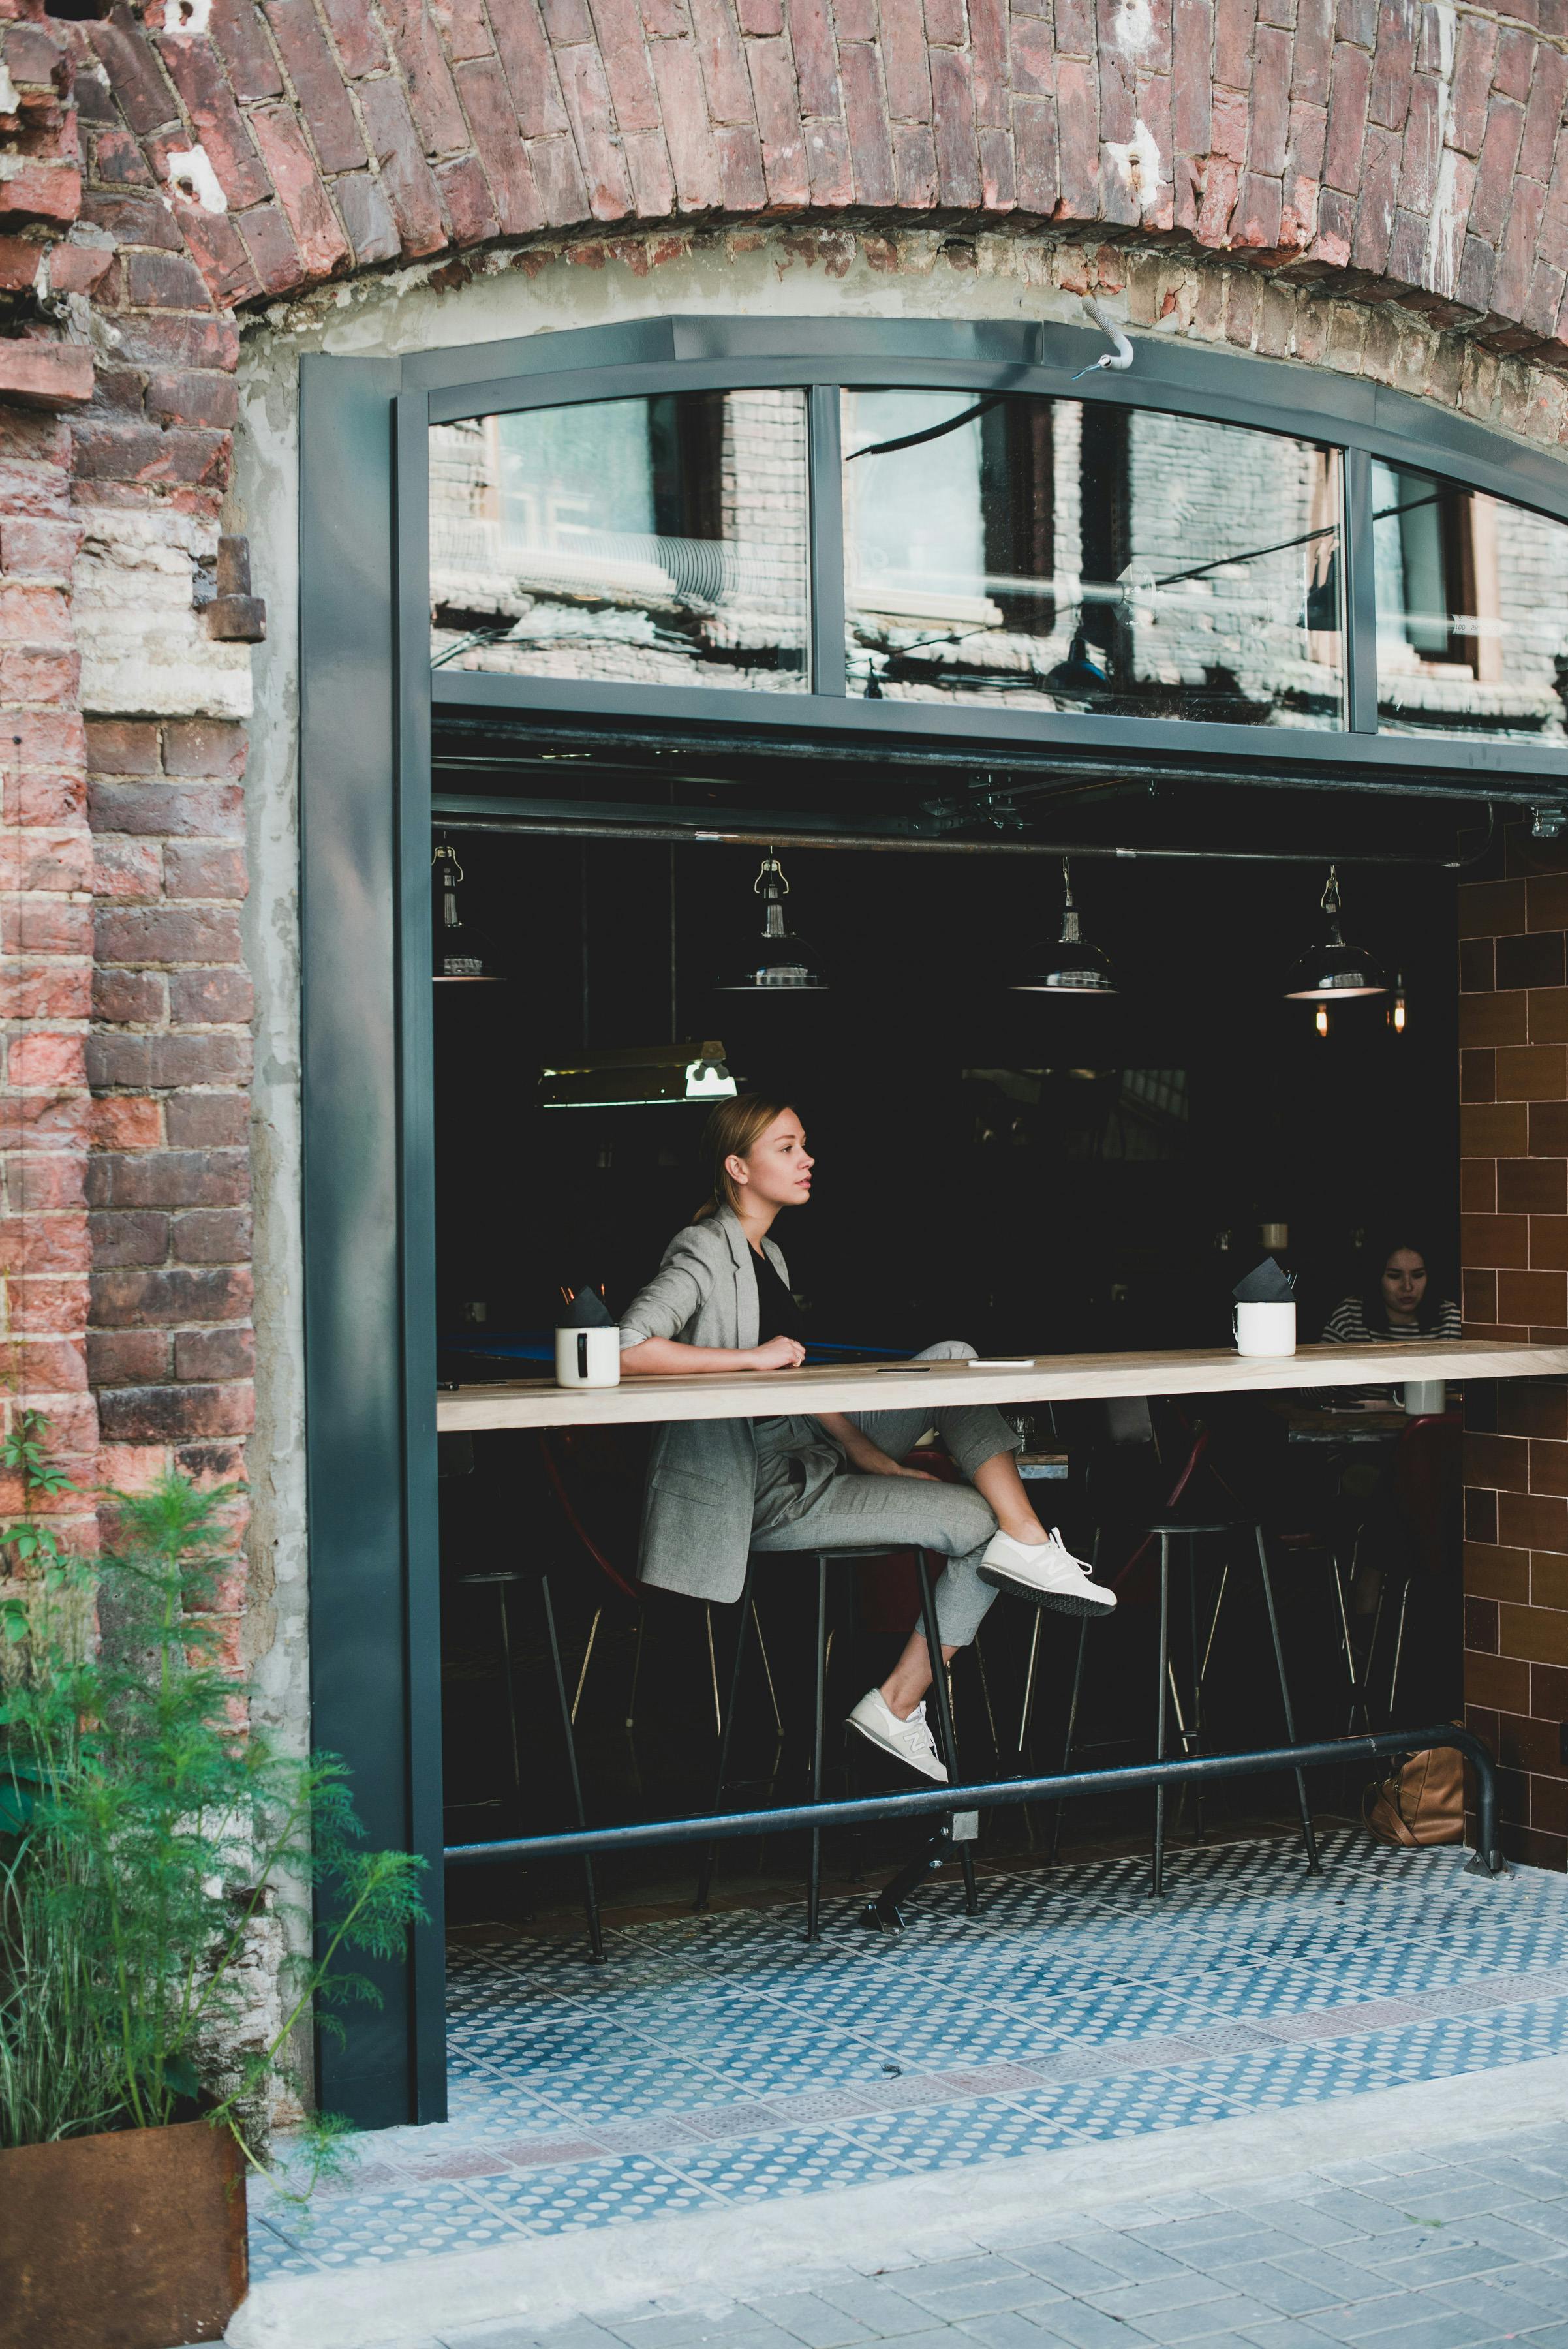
point(1321, 1021)
point(1398, 1012)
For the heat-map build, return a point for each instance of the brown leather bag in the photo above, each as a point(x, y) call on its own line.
point(1421, 1800)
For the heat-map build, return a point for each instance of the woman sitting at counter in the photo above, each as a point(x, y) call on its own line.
point(1401, 1303)
point(719, 1488)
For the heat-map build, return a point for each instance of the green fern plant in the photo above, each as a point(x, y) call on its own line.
point(149, 1834)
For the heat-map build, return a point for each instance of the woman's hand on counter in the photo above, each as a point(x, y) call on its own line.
point(667, 1358)
point(778, 1355)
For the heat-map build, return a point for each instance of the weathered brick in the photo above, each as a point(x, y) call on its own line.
point(128, 452)
point(129, 995)
point(316, 233)
point(434, 100)
point(192, 66)
point(466, 192)
point(161, 281)
point(214, 1354)
point(166, 936)
point(405, 177)
point(122, 1358)
point(212, 400)
point(144, 1062)
point(212, 1235)
point(133, 1297)
point(367, 217)
point(168, 1179)
point(123, 1238)
point(206, 1121)
point(167, 1414)
point(488, 103)
point(204, 746)
point(210, 995)
point(269, 243)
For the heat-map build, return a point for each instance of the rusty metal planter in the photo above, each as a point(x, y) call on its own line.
point(134, 2239)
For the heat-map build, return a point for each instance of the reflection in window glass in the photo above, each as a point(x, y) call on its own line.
point(1472, 611)
point(649, 542)
point(1067, 555)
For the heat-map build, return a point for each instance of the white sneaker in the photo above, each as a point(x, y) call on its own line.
point(1047, 1573)
point(908, 1741)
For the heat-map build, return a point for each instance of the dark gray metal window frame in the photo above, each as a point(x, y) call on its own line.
point(366, 700)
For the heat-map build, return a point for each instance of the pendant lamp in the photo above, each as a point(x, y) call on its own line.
point(782, 963)
point(460, 949)
point(1069, 964)
point(1332, 971)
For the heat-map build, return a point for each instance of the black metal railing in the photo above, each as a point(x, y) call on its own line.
point(994, 1794)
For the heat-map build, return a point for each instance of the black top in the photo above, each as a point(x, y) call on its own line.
point(778, 1316)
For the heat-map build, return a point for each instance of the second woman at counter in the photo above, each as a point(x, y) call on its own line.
point(719, 1488)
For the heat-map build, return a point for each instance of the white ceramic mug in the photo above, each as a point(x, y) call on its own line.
point(1424, 1397)
point(1265, 1328)
point(588, 1358)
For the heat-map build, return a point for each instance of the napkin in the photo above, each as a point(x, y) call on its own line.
point(1265, 1285)
point(585, 1311)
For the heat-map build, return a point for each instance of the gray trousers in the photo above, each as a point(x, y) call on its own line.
point(951, 1519)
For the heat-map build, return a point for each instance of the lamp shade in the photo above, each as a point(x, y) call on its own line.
point(1069, 964)
point(1333, 971)
point(782, 963)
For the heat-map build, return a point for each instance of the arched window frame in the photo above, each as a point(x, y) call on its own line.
point(366, 695)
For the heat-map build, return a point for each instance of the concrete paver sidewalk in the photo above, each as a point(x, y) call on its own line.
point(1445, 2228)
point(1449, 2250)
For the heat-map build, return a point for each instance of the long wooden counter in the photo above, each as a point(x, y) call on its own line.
point(1048, 1378)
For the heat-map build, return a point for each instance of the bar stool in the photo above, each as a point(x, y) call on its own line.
point(847, 1554)
point(502, 1581)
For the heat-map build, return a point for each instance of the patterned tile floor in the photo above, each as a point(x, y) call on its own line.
point(719, 2061)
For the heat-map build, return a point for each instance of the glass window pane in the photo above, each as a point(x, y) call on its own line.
point(1472, 611)
point(1065, 554)
point(637, 542)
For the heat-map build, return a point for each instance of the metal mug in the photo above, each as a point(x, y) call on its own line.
point(588, 1358)
point(1264, 1329)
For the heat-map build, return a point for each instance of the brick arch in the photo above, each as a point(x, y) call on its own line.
point(1401, 149)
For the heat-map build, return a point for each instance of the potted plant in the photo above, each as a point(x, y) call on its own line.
point(157, 1852)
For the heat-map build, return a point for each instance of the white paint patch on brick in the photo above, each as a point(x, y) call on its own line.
point(186, 19)
point(9, 101)
point(1132, 27)
point(144, 650)
point(1445, 239)
point(1137, 165)
point(192, 177)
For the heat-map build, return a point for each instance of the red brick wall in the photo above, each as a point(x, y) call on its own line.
point(46, 963)
point(1298, 135)
point(1513, 1036)
point(170, 1346)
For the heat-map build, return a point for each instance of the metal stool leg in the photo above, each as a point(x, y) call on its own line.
point(1192, 1741)
point(814, 1881)
point(501, 1590)
point(945, 1739)
point(1157, 1884)
point(727, 1722)
point(1314, 1866)
point(1071, 1729)
point(590, 1897)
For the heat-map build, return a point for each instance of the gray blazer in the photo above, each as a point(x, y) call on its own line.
point(702, 1473)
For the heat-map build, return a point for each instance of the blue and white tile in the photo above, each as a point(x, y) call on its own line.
point(616, 2191)
point(798, 2161)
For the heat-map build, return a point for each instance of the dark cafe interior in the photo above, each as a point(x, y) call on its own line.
point(1055, 1108)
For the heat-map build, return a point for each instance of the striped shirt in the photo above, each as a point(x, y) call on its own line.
point(1347, 1325)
